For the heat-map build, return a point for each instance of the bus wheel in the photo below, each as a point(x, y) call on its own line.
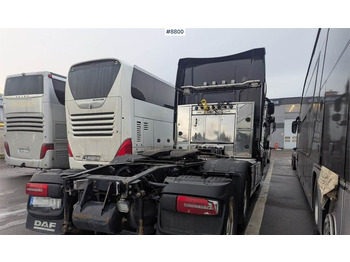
point(231, 224)
point(329, 225)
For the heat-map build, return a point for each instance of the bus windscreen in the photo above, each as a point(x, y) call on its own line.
point(24, 85)
point(93, 79)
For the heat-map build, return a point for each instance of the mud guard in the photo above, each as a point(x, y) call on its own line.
point(41, 219)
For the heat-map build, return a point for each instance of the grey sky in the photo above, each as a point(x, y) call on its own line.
point(288, 51)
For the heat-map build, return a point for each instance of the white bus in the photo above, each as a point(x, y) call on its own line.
point(35, 121)
point(115, 109)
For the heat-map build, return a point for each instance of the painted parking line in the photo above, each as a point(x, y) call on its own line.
point(13, 210)
point(13, 224)
point(12, 216)
point(8, 214)
point(253, 228)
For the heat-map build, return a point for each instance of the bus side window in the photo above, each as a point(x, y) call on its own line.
point(142, 86)
point(59, 87)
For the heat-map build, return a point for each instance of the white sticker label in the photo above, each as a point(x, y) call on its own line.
point(175, 32)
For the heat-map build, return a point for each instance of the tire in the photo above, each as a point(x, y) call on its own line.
point(315, 207)
point(231, 220)
point(294, 164)
point(245, 208)
point(319, 215)
point(329, 225)
point(246, 198)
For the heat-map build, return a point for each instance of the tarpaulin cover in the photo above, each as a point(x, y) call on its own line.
point(328, 184)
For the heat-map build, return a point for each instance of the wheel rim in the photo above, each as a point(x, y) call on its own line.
point(230, 218)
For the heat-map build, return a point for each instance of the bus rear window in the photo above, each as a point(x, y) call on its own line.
point(24, 85)
point(93, 79)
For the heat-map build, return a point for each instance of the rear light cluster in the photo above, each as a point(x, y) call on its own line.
point(35, 189)
point(125, 148)
point(197, 206)
point(44, 149)
point(7, 148)
point(70, 153)
point(39, 196)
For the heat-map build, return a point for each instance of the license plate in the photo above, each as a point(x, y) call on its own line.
point(91, 158)
point(23, 150)
point(54, 203)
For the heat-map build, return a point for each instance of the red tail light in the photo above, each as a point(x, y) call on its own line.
point(34, 189)
point(197, 206)
point(70, 153)
point(125, 148)
point(44, 149)
point(7, 148)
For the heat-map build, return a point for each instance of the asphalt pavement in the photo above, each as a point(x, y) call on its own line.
point(13, 199)
point(282, 207)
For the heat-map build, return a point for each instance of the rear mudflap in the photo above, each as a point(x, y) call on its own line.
point(44, 219)
point(45, 226)
point(170, 221)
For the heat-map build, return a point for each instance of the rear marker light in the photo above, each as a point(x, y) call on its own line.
point(70, 153)
point(34, 189)
point(197, 206)
point(125, 148)
point(44, 149)
point(7, 148)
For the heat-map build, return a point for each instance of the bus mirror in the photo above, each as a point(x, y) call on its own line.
point(294, 126)
point(270, 108)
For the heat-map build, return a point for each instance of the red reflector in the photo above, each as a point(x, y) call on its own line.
point(125, 148)
point(196, 205)
point(7, 148)
point(44, 149)
point(70, 153)
point(50, 76)
point(36, 189)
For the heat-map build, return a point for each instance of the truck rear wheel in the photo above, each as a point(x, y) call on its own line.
point(231, 221)
point(246, 198)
